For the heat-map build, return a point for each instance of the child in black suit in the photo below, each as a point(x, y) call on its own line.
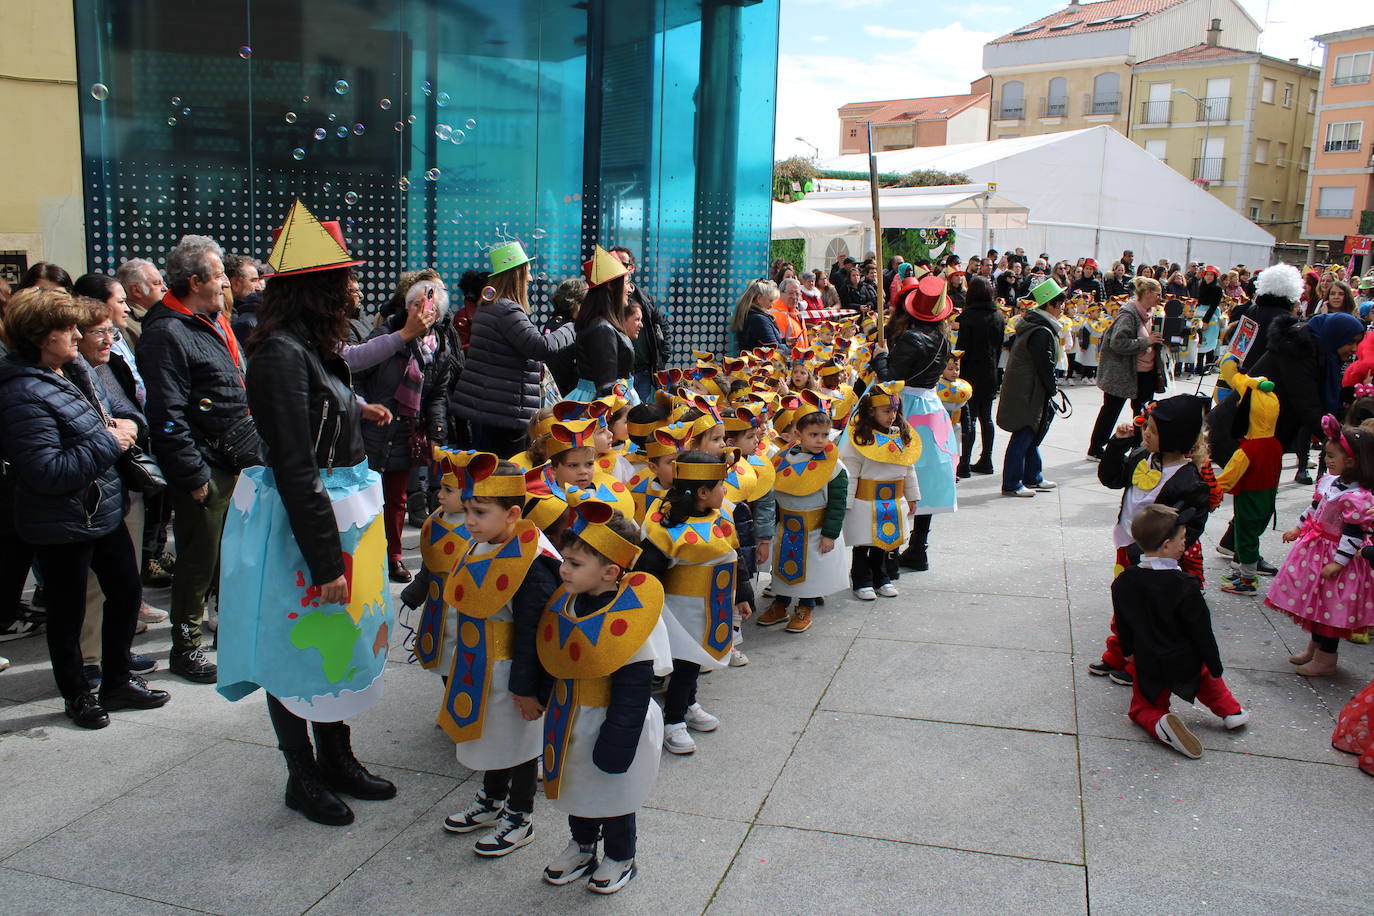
point(1165, 628)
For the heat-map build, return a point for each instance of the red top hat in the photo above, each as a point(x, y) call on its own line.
point(926, 300)
point(1089, 262)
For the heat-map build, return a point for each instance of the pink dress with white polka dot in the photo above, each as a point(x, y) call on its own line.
point(1333, 530)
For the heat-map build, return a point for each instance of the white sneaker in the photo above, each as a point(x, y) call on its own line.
point(699, 720)
point(482, 812)
point(4, 663)
point(888, 590)
point(676, 740)
point(149, 614)
point(572, 863)
point(1236, 720)
point(1023, 492)
point(767, 590)
point(610, 876)
point(865, 594)
point(738, 659)
point(1045, 486)
point(1171, 730)
point(513, 830)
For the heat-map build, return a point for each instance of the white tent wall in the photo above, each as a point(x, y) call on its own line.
point(1090, 192)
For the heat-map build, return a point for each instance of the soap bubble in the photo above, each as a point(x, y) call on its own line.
point(539, 233)
point(100, 92)
point(432, 175)
point(456, 218)
point(443, 131)
point(351, 198)
point(488, 293)
point(470, 124)
point(410, 119)
point(541, 276)
point(341, 87)
point(206, 404)
point(298, 154)
point(341, 132)
point(186, 111)
point(328, 187)
point(404, 184)
point(349, 223)
point(320, 133)
point(384, 104)
point(305, 98)
point(171, 122)
point(176, 100)
point(331, 117)
point(458, 137)
point(168, 426)
point(399, 127)
point(290, 117)
point(359, 130)
point(245, 52)
point(441, 100)
point(427, 87)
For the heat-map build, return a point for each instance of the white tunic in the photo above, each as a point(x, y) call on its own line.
point(825, 574)
point(859, 518)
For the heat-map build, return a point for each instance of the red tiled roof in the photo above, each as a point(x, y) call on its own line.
point(1076, 18)
point(1197, 53)
point(934, 108)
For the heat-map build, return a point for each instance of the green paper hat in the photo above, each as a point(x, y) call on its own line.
point(1367, 283)
point(508, 257)
point(1046, 291)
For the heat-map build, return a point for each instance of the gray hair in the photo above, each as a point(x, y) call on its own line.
point(567, 298)
point(421, 289)
point(789, 283)
point(190, 258)
point(132, 275)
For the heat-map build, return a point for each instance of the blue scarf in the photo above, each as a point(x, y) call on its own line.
point(1332, 331)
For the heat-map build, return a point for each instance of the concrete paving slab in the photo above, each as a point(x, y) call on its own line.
point(975, 619)
point(847, 874)
point(957, 786)
point(35, 895)
point(1031, 690)
point(212, 834)
point(784, 669)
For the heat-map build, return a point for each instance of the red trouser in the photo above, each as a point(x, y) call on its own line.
point(1212, 692)
point(394, 509)
point(1190, 562)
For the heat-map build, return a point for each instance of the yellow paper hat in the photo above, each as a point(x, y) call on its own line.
point(602, 267)
point(305, 245)
point(569, 435)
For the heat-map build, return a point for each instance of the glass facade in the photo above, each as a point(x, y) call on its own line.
point(435, 128)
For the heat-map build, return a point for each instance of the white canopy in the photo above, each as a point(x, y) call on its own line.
point(1089, 192)
point(823, 233)
point(949, 207)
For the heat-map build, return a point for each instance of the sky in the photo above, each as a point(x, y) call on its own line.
point(837, 51)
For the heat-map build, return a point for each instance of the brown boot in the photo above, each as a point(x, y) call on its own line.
point(774, 615)
point(1306, 655)
point(801, 620)
point(1323, 664)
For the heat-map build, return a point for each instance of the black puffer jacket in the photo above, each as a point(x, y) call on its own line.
point(308, 419)
point(1263, 311)
point(500, 386)
point(981, 330)
point(388, 447)
point(195, 392)
point(1292, 362)
point(61, 456)
point(603, 355)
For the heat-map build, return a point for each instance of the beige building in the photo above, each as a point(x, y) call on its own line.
point(1341, 185)
point(1236, 122)
point(1073, 68)
point(910, 123)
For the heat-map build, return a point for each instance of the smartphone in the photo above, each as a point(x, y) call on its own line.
point(1159, 325)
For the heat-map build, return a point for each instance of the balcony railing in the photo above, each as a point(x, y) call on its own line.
point(1341, 146)
point(1333, 214)
point(1102, 103)
point(1350, 79)
point(1209, 169)
point(1010, 111)
point(1214, 109)
point(1156, 112)
point(1053, 108)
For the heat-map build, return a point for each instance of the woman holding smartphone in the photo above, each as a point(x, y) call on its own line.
point(1129, 361)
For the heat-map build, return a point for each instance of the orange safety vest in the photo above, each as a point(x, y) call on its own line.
point(789, 324)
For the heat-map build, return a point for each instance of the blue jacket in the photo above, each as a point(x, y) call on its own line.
point(67, 488)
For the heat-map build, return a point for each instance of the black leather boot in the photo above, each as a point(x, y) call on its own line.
point(914, 557)
point(341, 770)
point(307, 793)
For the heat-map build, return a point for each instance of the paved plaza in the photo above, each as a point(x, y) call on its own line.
point(941, 752)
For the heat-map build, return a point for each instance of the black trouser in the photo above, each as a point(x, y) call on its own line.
point(15, 559)
point(65, 567)
point(978, 409)
point(682, 691)
point(618, 832)
point(157, 515)
point(514, 785)
point(1111, 410)
point(869, 569)
point(1327, 643)
point(291, 729)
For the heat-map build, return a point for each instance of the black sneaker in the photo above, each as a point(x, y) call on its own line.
point(92, 675)
point(85, 710)
point(155, 575)
point(1123, 678)
point(193, 665)
point(141, 664)
point(1265, 568)
point(1100, 669)
point(19, 628)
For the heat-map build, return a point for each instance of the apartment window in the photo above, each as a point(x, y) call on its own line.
point(1057, 99)
point(1267, 91)
point(1311, 101)
point(1262, 151)
point(1275, 207)
point(1351, 68)
point(1287, 95)
point(1106, 97)
point(1156, 148)
point(1335, 202)
point(853, 131)
point(1343, 136)
point(1281, 156)
point(1013, 101)
point(1255, 209)
point(1306, 158)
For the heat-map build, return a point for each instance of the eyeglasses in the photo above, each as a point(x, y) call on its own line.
point(110, 334)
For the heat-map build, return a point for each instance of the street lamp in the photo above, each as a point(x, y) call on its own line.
point(815, 150)
point(1206, 114)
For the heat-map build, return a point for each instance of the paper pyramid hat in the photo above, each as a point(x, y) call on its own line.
point(508, 257)
point(603, 267)
point(304, 244)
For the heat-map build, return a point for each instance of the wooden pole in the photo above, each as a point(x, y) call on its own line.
point(877, 230)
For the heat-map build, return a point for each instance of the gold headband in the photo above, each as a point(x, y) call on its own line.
point(700, 471)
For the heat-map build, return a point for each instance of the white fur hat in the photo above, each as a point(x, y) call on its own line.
point(1282, 280)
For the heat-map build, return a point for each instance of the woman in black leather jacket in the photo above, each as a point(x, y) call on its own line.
point(310, 422)
point(602, 352)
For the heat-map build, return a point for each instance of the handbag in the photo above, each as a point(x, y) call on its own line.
point(140, 472)
point(238, 447)
point(417, 443)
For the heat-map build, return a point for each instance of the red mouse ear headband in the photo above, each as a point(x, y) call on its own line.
point(1332, 428)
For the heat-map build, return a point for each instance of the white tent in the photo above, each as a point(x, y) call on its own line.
point(1089, 192)
point(949, 207)
point(824, 234)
